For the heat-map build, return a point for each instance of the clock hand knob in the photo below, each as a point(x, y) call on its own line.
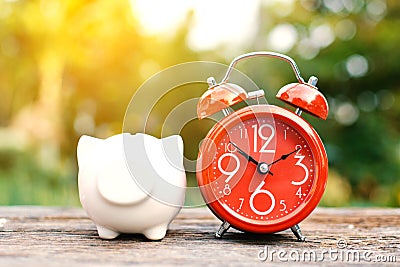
point(262, 167)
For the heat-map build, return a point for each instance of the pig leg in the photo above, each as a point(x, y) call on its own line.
point(156, 233)
point(106, 233)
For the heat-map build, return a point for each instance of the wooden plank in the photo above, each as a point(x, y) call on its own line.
point(48, 236)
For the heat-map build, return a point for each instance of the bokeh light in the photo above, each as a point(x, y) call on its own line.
point(357, 66)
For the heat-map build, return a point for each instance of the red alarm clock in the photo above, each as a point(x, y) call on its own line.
point(262, 168)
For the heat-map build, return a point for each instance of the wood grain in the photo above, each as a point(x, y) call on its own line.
point(54, 236)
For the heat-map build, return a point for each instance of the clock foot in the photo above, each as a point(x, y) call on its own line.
point(222, 229)
point(297, 232)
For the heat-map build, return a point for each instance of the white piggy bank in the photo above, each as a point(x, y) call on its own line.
point(131, 183)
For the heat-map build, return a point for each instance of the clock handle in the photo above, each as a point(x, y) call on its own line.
point(265, 54)
point(303, 95)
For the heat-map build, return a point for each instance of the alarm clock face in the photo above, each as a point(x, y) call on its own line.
point(263, 169)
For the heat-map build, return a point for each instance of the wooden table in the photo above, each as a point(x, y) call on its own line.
point(53, 236)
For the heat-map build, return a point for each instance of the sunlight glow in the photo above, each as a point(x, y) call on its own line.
point(214, 23)
point(159, 16)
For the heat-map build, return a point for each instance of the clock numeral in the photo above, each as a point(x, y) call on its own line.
point(262, 191)
point(282, 202)
point(230, 148)
point(227, 190)
point(258, 133)
point(243, 133)
point(299, 193)
point(304, 167)
point(241, 199)
point(285, 134)
point(224, 171)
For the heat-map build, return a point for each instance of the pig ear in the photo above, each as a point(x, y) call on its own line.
point(85, 149)
point(173, 149)
point(174, 143)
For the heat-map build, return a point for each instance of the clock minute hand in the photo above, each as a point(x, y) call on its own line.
point(283, 157)
point(247, 156)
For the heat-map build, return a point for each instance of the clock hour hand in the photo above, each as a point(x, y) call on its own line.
point(262, 167)
point(285, 156)
point(247, 156)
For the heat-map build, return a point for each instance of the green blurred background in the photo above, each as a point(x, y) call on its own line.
point(70, 67)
